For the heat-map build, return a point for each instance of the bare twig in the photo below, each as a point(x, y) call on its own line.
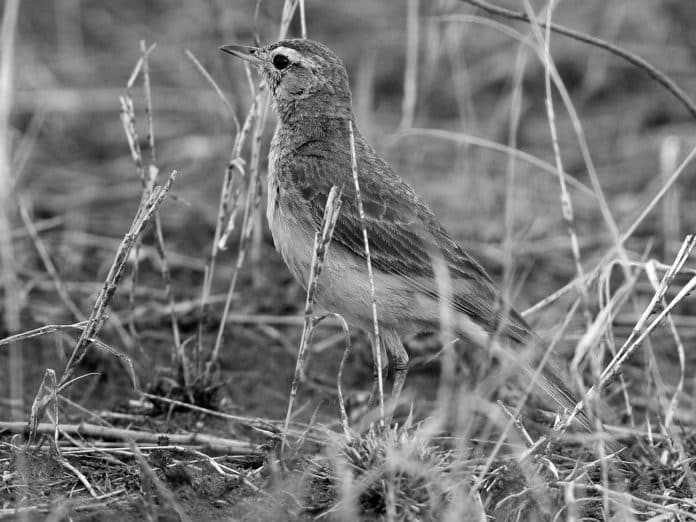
point(210, 442)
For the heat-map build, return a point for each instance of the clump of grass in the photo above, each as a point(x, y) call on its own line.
point(393, 472)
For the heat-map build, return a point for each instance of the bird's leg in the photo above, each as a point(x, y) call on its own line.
point(400, 365)
point(373, 401)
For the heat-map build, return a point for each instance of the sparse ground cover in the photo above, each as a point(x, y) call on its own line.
point(169, 416)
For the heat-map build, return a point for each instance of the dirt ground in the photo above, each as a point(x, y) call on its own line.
point(187, 444)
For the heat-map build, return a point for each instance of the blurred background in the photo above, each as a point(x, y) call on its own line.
point(72, 166)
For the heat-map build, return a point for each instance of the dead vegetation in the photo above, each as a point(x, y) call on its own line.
point(149, 333)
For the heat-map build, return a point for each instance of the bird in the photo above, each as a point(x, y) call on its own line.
point(310, 153)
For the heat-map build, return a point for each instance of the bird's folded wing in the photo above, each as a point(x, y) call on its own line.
point(404, 237)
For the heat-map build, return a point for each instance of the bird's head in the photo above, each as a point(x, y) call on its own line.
point(305, 77)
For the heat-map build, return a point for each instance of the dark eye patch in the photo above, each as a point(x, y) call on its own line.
point(280, 61)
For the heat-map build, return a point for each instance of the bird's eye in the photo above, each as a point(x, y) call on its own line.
point(280, 61)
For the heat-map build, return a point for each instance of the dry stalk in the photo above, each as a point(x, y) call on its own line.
point(671, 226)
point(11, 305)
point(630, 57)
point(229, 198)
point(577, 126)
point(148, 172)
point(664, 189)
point(215, 86)
point(256, 221)
point(253, 199)
point(80, 476)
point(42, 330)
point(47, 395)
point(289, 7)
point(322, 240)
point(128, 122)
point(566, 202)
point(164, 494)
point(582, 141)
point(339, 383)
point(642, 328)
point(408, 103)
point(85, 429)
point(339, 377)
point(542, 167)
point(97, 318)
point(254, 234)
point(303, 19)
point(179, 353)
point(265, 427)
point(376, 344)
point(48, 264)
point(512, 419)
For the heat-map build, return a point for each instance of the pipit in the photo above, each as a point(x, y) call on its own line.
point(310, 153)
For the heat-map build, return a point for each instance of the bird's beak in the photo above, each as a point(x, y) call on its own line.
point(249, 54)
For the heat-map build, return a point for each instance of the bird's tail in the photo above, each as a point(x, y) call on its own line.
point(523, 367)
point(550, 387)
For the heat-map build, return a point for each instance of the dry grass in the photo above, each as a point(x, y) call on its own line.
point(193, 303)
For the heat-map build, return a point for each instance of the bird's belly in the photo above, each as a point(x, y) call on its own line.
point(343, 286)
